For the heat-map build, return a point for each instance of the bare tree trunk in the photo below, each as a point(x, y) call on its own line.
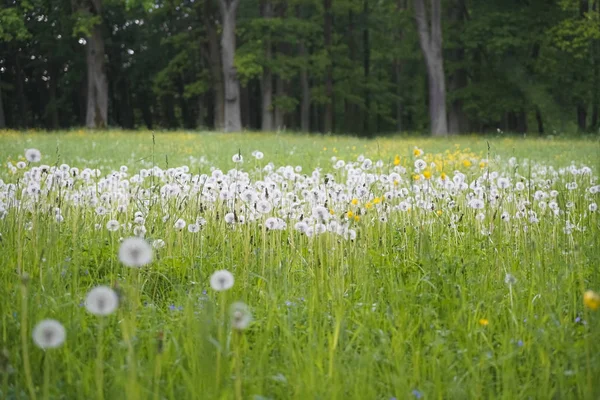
point(97, 82)
point(52, 107)
point(457, 119)
point(214, 61)
point(233, 119)
point(399, 105)
point(23, 109)
point(582, 117)
point(305, 85)
point(267, 76)
point(430, 39)
point(2, 118)
point(328, 28)
point(366, 67)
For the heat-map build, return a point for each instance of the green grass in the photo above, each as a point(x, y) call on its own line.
point(399, 312)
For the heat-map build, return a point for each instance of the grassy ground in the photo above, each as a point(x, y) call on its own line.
point(433, 298)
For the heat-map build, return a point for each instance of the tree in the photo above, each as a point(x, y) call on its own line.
point(233, 118)
point(89, 15)
point(267, 75)
point(430, 39)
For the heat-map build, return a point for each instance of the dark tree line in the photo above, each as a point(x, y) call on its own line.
point(347, 66)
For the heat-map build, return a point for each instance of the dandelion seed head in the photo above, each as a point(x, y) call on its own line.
point(135, 252)
point(49, 334)
point(33, 155)
point(221, 280)
point(101, 301)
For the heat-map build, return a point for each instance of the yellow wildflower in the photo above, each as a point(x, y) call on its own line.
point(368, 205)
point(466, 163)
point(356, 218)
point(591, 300)
point(417, 152)
point(444, 176)
point(377, 200)
point(416, 177)
point(331, 211)
point(354, 202)
point(397, 160)
point(349, 214)
point(396, 182)
point(427, 174)
point(482, 164)
point(439, 212)
point(483, 322)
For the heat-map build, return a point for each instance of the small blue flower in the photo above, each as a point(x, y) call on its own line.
point(417, 394)
point(520, 343)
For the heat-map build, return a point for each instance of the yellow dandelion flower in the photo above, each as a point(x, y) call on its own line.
point(368, 205)
point(416, 177)
point(396, 182)
point(331, 211)
point(324, 148)
point(439, 212)
point(349, 214)
point(591, 300)
point(444, 176)
point(427, 174)
point(417, 152)
point(482, 164)
point(356, 218)
point(397, 160)
point(354, 202)
point(466, 163)
point(483, 322)
point(377, 200)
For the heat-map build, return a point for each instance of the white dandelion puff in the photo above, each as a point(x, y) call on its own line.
point(158, 244)
point(101, 300)
point(241, 316)
point(135, 252)
point(510, 279)
point(221, 280)
point(179, 224)
point(33, 155)
point(49, 334)
point(113, 225)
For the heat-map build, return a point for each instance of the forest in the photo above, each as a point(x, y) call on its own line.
point(359, 67)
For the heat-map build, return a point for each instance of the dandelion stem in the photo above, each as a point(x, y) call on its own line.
point(221, 340)
point(25, 342)
point(238, 364)
point(100, 361)
point(46, 376)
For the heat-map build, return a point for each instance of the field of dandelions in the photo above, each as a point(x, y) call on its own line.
point(206, 266)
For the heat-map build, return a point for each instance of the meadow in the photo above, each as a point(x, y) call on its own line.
point(283, 266)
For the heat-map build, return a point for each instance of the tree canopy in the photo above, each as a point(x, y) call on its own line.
point(348, 66)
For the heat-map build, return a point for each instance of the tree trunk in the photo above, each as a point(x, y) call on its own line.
point(216, 69)
point(328, 27)
point(430, 39)
point(233, 119)
point(2, 118)
point(540, 120)
point(267, 75)
point(97, 82)
point(52, 107)
point(457, 119)
point(399, 105)
point(581, 117)
point(305, 86)
point(366, 67)
point(279, 111)
point(23, 111)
